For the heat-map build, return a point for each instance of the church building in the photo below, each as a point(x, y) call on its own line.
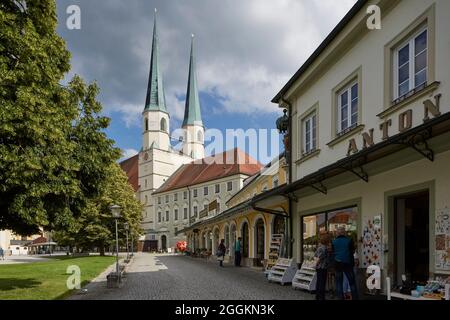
point(158, 161)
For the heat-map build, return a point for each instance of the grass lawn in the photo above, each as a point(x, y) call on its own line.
point(47, 280)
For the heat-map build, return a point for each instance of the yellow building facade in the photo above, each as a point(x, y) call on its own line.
point(255, 226)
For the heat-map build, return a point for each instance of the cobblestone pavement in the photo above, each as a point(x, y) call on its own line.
point(175, 277)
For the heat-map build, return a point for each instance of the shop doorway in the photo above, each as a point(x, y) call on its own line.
point(260, 243)
point(245, 239)
point(411, 254)
point(163, 243)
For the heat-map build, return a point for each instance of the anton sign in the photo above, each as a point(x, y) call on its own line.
point(405, 122)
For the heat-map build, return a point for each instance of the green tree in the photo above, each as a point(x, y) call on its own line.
point(95, 227)
point(37, 167)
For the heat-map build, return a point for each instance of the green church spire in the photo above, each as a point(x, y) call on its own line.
point(192, 114)
point(155, 99)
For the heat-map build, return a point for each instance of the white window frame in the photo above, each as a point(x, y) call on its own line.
point(411, 61)
point(312, 141)
point(348, 91)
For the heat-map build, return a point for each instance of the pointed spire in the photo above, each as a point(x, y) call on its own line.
point(155, 99)
point(192, 113)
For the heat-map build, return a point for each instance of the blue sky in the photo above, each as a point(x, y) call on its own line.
point(245, 52)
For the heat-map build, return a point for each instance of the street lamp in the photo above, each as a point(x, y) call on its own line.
point(127, 227)
point(115, 211)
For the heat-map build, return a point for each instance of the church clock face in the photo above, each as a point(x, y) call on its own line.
point(146, 156)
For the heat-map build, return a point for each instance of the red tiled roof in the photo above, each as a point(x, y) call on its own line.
point(131, 168)
point(211, 168)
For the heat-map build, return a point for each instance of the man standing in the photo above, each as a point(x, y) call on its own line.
point(2, 254)
point(237, 252)
point(343, 250)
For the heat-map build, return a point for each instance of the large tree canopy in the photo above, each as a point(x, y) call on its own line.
point(37, 169)
point(56, 162)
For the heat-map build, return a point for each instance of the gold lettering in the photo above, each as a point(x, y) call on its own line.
point(405, 121)
point(432, 108)
point(368, 139)
point(352, 148)
point(384, 127)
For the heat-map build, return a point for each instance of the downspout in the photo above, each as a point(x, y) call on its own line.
point(289, 161)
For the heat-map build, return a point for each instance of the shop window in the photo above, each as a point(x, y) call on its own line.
point(329, 221)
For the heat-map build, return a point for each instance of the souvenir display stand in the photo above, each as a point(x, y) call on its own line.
point(274, 251)
point(283, 271)
point(305, 278)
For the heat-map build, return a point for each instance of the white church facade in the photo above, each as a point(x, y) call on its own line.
point(153, 169)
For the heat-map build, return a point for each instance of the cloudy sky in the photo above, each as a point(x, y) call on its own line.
point(246, 50)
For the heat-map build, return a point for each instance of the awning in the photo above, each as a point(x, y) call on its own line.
point(417, 139)
point(51, 243)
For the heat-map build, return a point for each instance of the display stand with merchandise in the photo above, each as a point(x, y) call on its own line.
point(306, 277)
point(274, 251)
point(283, 271)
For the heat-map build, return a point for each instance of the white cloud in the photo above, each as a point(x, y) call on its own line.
point(245, 50)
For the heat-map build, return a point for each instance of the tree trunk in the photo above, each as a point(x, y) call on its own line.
point(102, 249)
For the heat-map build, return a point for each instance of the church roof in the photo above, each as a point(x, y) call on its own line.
point(225, 164)
point(192, 112)
point(155, 99)
point(131, 168)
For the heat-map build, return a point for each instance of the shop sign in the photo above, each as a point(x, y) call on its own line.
point(404, 124)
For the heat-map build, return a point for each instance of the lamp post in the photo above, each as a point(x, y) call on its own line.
point(127, 227)
point(115, 210)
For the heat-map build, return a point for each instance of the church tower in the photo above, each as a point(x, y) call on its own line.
point(155, 115)
point(194, 132)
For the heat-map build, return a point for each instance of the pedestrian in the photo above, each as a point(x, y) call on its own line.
point(237, 252)
point(221, 252)
point(2, 254)
point(347, 290)
point(321, 258)
point(343, 250)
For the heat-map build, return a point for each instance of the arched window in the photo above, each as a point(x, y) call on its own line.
point(146, 124)
point(163, 125)
point(200, 136)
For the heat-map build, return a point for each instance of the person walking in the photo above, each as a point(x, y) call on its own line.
point(343, 250)
point(322, 258)
point(2, 254)
point(221, 250)
point(237, 252)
